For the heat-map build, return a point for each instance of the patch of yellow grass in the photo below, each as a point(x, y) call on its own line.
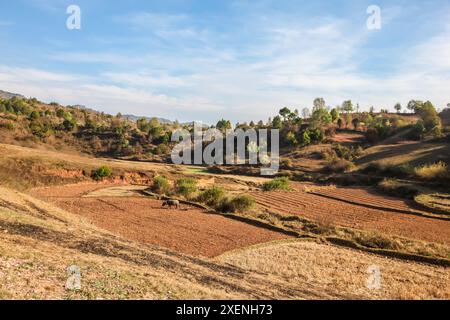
point(335, 269)
point(432, 171)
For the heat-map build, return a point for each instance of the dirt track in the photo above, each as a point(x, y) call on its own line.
point(340, 213)
point(187, 230)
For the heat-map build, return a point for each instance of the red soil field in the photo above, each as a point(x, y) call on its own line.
point(320, 209)
point(369, 196)
point(187, 230)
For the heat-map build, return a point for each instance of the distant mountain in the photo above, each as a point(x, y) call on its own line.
point(135, 118)
point(9, 95)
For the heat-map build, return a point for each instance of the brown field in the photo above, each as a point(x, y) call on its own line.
point(348, 138)
point(187, 230)
point(38, 242)
point(369, 196)
point(329, 211)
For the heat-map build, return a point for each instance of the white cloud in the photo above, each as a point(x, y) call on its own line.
point(236, 76)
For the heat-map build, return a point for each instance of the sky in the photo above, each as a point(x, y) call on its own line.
point(240, 60)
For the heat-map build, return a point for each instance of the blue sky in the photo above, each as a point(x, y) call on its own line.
point(241, 60)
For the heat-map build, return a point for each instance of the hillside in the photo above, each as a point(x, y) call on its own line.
point(39, 241)
point(9, 95)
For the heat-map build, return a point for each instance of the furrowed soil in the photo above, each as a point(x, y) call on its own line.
point(370, 197)
point(187, 230)
point(336, 212)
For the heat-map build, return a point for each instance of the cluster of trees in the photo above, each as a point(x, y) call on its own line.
point(104, 133)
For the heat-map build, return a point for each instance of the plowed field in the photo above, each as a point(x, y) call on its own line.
point(188, 230)
point(337, 212)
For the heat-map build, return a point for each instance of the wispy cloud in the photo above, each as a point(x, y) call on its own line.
point(245, 66)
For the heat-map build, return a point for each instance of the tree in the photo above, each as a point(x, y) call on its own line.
point(334, 114)
point(319, 103)
point(291, 139)
point(372, 110)
point(285, 112)
point(223, 125)
point(276, 123)
point(35, 115)
point(306, 113)
point(320, 117)
point(306, 139)
point(430, 117)
point(414, 105)
point(347, 106)
point(398, 107)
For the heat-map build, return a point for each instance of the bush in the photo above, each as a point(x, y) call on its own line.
point(101, 173)
point(392, 169)
point(281, 183)
point(212, 197)
point(339, 166)
point(242, 203)
point(432, 171)
point(160, 185)
point(186, 187)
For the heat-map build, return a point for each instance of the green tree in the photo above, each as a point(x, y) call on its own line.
point(306, 139)
point(398, 107)
point(430, 117)
point(223, 125)
point(285, 113)
point(276, 123)
point(334, 114)
point(35, 115)
point(414, 105)
point(347, 106)
point(320, 117)
point(291, 139)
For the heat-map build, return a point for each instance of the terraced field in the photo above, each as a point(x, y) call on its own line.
point(370, 198)
point(187, 230)
point(330, 211)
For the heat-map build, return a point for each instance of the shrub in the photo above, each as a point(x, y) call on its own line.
point(212, 196)
point(432, 171)
point(186, 187)
point(242, 203)
point(339, 166)
point(160, 185)
point(390, 168)
point(281, 183)
point(101, 173)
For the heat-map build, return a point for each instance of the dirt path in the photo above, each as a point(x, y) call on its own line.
point(187, 230)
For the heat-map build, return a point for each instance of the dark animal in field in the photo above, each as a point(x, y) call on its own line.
point(171, 203)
